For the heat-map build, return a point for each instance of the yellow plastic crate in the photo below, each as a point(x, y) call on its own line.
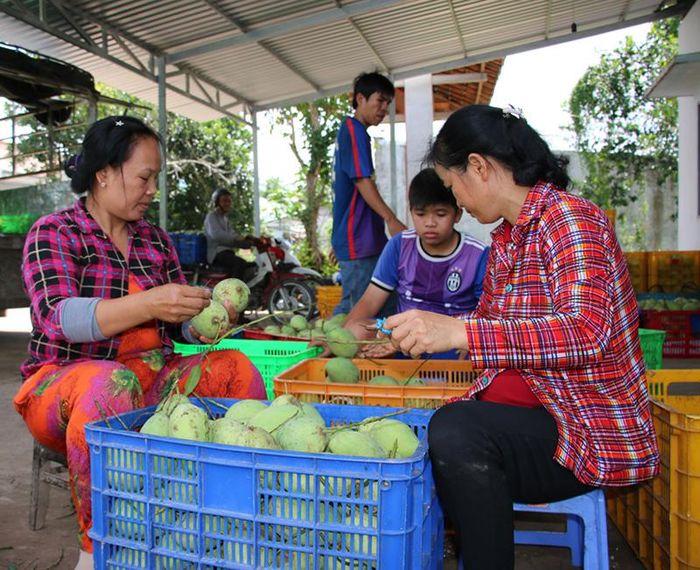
point(327, 298)
point(444, 379)
point(674, 271)
point(672, 382)
point(660, 519)
point(638, 265)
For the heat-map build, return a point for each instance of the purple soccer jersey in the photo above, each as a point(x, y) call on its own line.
point(450, 285)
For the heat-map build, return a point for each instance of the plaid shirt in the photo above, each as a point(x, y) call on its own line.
point(66, 254)
point(558, 306)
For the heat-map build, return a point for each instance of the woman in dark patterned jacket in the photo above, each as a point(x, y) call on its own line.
point(107, 296)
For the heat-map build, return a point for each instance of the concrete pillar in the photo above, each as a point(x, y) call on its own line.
point(163, 131)
point(392, 155)
point(256, 175)
point(688, 146)
point(419, 128)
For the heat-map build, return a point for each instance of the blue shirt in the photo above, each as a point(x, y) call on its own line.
point(358, 231)
point(450, 284)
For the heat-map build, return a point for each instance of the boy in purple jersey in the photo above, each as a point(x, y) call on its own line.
point(432, 267)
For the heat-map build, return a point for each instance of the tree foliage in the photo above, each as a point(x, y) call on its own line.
point(625, 138)
point(201, 158)
point(311, 129)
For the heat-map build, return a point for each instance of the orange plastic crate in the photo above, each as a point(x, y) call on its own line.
point(674, 271)
point(612, 216)
point(327, 298)
point(638, 265)
point(444, 379)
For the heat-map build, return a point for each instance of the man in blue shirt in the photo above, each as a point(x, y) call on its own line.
point(359, 212)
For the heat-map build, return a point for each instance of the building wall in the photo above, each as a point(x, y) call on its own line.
point(689, 152)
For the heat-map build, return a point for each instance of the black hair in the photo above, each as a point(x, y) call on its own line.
point(108, 142)
point(217, 195)
point(500, 134)
point(426, 189)
point(368, 83)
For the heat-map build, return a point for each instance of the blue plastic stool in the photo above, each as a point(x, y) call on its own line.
point(586, 532)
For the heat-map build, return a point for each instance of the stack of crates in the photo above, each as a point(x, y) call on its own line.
point(674, 271)
point(638, 265)
point(169, 503)
point(191, 247)
point(661, 518)
point(327, 298)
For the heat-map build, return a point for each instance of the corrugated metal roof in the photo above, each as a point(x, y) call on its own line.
point(230, 53)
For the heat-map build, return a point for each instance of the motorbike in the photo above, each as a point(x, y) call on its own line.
point(278, 283)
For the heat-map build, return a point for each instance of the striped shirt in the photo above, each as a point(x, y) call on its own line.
point(358, 231)
point(558, 305)
point(67, 255)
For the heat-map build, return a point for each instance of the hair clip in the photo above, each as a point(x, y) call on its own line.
point(511, 111)
point(119, 123)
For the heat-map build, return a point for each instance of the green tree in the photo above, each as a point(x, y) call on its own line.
point(311, 129)
point(625, 139)
point(201, 158)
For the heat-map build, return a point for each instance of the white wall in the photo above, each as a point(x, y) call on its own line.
point(688, 167)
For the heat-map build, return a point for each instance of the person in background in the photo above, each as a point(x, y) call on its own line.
point(433, 267)
point(221, 239)
point(107, 297)
point(359, 212)
point(561, 406)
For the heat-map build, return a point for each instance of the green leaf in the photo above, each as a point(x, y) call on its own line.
point(193, 379)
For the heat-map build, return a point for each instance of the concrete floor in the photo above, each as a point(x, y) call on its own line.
point(55, 545)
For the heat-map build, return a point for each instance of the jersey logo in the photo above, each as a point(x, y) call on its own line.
point(454, 280)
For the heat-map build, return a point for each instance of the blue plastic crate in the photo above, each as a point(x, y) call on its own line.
point(170, 503)
point(175, 238)
point(191, 248)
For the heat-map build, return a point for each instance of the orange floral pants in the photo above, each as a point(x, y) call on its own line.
point(57, 401)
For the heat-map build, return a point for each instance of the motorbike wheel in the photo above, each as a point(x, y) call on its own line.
point(292, 297)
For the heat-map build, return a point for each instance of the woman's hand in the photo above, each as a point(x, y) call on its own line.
point(232, 318)
point(173, 303)
point(416, 332)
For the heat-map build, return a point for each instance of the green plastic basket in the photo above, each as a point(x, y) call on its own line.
point(652, 342)
point(270, 357)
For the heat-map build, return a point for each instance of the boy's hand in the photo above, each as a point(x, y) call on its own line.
point(377, 350)
point(362, 329)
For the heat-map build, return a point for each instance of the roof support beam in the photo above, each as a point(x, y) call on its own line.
point(480, 87)
point(445, 64)
point(129, 52)
point(30, 17)
point(455, 21)
point(320, 18)
point(364, 38)
point(68, 18)
point(273, 52)
point(115, 31)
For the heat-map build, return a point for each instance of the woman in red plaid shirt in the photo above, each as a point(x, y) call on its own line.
point(561, 406)
point(107, 296)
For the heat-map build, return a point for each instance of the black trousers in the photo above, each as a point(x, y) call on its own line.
point(234, 265)
point(485, 457)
